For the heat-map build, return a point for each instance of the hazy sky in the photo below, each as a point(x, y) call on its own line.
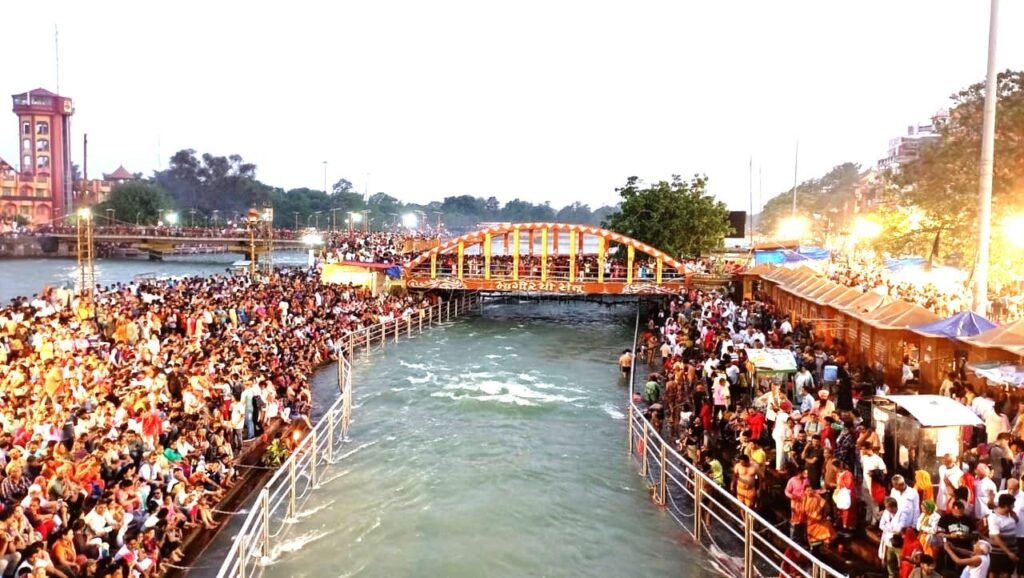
point(545, 100)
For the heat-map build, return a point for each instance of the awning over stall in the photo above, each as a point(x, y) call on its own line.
point(772, 359)
point(966, 324)
point(935, 410)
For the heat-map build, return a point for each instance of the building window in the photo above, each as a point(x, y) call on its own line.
point(25, 210)
point(42, 145)
point(42, 193)
point(8, 191)
point(26, 144)
point(42, 162)
point(26, 191)
point(26, 128)
point(26, 163)
point(42, 127)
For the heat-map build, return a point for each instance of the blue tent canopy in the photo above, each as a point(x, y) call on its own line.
point(966, 324)
point(782, 256)
point(896, 264)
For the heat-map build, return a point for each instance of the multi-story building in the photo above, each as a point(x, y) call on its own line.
point(40, 189)
point(906, 149)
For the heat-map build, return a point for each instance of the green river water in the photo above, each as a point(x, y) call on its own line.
point(490, 447)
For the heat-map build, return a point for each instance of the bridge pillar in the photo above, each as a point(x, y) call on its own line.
point(630, 253)
point(544, 254)
point(433, 266)
point(572, 256)
point(600, 259)
point(487, 255)
point(515, 254)
point(657, 274)
point(462, 254)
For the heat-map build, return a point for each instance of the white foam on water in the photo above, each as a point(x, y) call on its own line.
point(499, 398)
point(356, 449)
point(293, 545)
point(493, 356)
point(613, 411)
point(307, 513)
point(414, 379)
point(526, 377)
point(355, 572)
point(336, 476)
point(420, 366)
point(367, 531)
point(508, 348)
point(509, 392)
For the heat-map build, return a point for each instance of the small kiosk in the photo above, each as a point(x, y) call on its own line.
point(773, 366)
point(920, 429)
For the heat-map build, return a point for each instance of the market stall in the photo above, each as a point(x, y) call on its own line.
point(773, 366)
point(917, 430)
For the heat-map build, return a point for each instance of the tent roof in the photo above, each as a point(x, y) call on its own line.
point(1009, 337)
point(866, 303)
point(761, 269)
point(824, 288)
point(838, 296)
point(886, 310)
point(913, 315)
point(772, 359)
point(803, 287)
point(966, 324)
point(935, 410)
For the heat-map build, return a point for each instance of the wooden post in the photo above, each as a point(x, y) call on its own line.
point(554, 242)
point(657, 274)
point(531, 242)
point(505, 236)
point(433, 265)
point(600, 259)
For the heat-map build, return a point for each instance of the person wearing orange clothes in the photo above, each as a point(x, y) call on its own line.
point(847, 517)
point(911, 552)
point(818, 527)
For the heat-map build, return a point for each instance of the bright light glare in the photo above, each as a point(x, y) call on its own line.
point(914, 219)
point(793, 228)
point(864, 228)
point(172, 218)
point(356, 217)
point(312, 239)
point(1013, 229)
point(409, 220)
point(85, 212)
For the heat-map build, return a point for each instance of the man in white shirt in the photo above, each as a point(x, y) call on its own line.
point(950, 473)
point(984, 492)
point(870, 461)
point(804, 379)
point(908, 502)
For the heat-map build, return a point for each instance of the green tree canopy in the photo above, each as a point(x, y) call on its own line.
point(931, 204)
point(678, 217)
point(136, 202)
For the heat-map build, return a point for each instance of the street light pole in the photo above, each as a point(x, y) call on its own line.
point(988, 132)
point(326, 192)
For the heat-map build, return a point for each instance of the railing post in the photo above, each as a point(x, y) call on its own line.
point(366, 342)
point(663, 475)
point(243, 554)
point(421, 321)
point(291, 489)
point(312, 458)
point(265, 514)
point(748, 544)
point(408, 328)
point(330, 432)
point(698, 505)
point(398, 325)
point(629, 431)
point(643, 457)
point(383, 335)
point(449, 309)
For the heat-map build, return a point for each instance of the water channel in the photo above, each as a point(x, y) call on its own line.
point(493, 446)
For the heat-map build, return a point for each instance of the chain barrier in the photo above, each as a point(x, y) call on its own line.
point(282, 500)
point(738, 540)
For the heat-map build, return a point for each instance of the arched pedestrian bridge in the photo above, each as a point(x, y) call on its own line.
point(547, 258)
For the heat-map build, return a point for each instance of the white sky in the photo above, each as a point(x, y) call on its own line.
point(545, 100)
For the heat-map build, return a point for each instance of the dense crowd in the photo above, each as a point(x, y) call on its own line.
point(804, 441)
point(1006, 303)
point(122, 418)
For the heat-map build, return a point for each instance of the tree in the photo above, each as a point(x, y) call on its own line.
point(342, 186)
point(212, 182)
point(829, 197)
point(136, 202)
point(936, 194)
point(677, 217)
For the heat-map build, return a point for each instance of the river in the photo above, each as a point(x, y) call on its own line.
point(493, 446)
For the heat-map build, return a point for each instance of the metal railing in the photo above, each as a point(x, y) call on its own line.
point(282, 499)
point(739, 541)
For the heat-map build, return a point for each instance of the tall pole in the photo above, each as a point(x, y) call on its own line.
point(56, 54)
point(988, 134)
point(796, 162)
point(325, 178)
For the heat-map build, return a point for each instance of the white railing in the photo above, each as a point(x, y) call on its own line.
point(283, 497)
point(739, 541)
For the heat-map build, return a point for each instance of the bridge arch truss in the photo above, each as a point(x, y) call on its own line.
point(547, 258)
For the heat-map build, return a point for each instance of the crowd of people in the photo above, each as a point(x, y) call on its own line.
point(122, 417)
point(806, 442)
point(945, 300)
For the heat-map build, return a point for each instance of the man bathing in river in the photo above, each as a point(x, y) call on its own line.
point(744, 483)
point(626, 363)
